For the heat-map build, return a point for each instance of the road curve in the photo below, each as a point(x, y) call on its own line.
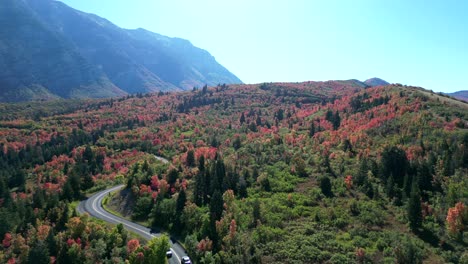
point(163, 160)
point(93, 206)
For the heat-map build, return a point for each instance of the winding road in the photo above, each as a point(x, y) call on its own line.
point(93, 206)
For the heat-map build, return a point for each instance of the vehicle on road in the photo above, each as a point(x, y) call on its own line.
point(169, 254)
point(185, 260)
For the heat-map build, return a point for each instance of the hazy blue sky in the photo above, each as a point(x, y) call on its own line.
point(416, 42)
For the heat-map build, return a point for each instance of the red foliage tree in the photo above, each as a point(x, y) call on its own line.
point(456, 218)
point(6, 243)
point(349, 182)
point(132, 245)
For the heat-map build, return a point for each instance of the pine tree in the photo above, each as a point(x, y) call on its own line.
point(326, 187)
point(336, 120)
point(414, 208)
point(201, 163)
point(216, 211)
point(61, 225)
point(256, 213)
point(180, 204)
point(242, 119)
point(67, 192)
point(172, 176)
point(199, 188)
point(75, 184)
point(242, 188)
point(39, 254)
point(312, 129)
point(52, 243)
point(190, 158)
point(88, 154)
point(236, 144)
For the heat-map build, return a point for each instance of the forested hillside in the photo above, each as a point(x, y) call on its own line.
point(314, 172)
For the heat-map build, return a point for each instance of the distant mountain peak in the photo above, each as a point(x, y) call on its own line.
point(375, 82)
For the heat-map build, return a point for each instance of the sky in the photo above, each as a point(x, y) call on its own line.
point(418, 42)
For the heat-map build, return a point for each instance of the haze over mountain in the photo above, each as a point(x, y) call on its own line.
point(462, 95)
point(50, 50)
point(375, 82)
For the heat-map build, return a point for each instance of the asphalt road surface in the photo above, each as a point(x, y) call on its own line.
point(93, 206)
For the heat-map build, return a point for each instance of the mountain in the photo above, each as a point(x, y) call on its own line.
point(375, 82)
point(50, 50)
point(462, 95)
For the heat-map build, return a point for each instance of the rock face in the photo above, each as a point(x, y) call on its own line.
point(375, 82)
point(50, 50)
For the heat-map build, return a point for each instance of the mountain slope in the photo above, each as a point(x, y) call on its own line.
point(135, 60)
point(52, 50)
point(38, 63)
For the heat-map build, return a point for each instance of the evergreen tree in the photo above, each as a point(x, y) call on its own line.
point(67, 191)
point(201, 163)
point(336, 121)
point(394, 163)
point(242, 188)
point(190, 158)
point(216, 206)
point(172, 176)
point(414, 208)
point(236, 144)
point(217, 175)
point(329, 116)
point(88, 154)
point(38, 198)
point(361, 176)
point(3, 188)
point(87, 181)
point(280, 114)
point(39, 254)
point(325, 186)
point(253, 127)
point(256, 213)
point(199, 189)
point(145, 167)
point(258, 121)
point(216, 211)
point(180, 204)
point(52, 243)
point(312, 129)
point(390, 187)
point(242, 118)
point(61, 225)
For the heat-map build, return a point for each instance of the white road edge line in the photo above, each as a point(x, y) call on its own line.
point(112, 217)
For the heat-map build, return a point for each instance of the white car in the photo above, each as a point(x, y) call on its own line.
point(185, 260)
point(169, 254)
